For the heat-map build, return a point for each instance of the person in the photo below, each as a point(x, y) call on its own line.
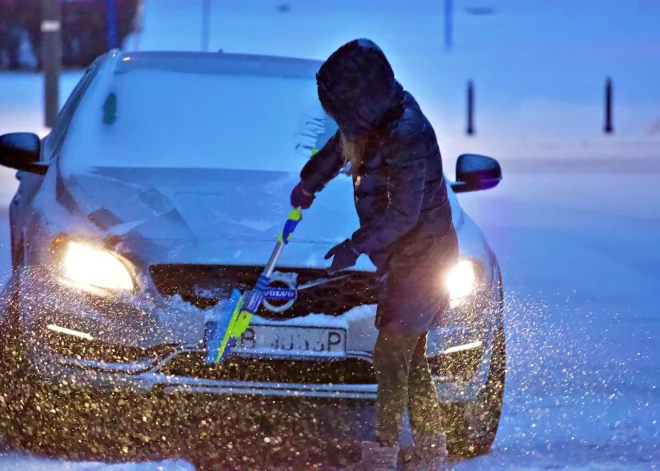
point(405, 229)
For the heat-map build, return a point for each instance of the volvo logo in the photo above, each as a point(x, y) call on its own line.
point(281, 292)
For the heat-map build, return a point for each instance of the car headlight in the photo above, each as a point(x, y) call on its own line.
point(96, 267)
point(461, 280)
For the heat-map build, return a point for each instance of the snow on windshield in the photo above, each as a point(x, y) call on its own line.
point(171, 119)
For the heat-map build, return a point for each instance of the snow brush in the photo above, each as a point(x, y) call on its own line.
point(222, 332)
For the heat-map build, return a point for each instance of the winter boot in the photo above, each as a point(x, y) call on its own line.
point(376, 457)
point(429, 454)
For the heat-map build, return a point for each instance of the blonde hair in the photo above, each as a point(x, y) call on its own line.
point(353, 153)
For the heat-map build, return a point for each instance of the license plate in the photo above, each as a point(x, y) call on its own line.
point(285, 341)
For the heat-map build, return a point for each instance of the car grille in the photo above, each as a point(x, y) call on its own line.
point(345, 371)
point(205, 285)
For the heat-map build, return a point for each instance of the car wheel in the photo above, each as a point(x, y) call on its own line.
point(472, 426)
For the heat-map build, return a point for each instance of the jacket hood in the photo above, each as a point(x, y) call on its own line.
point(356, 86)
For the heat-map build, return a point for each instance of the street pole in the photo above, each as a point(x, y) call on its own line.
point(51, 58)
point(206, 27)
point(139, 21)
point(449, 10)
point(112, 40)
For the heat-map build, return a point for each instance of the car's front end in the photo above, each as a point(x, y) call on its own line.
point(131, 313)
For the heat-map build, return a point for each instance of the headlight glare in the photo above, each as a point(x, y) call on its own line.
point(87, 265)
point(461, 280)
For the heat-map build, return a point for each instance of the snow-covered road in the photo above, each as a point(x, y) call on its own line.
point(582, 280)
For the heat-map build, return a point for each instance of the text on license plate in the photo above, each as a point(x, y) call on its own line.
point(269, 340)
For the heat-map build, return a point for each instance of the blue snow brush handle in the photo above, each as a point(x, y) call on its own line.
point(223, 333)
point(290, 225)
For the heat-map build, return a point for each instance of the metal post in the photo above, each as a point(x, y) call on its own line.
point(470, 108)
point(449, 7)
point(51, 58)
point(137, 24)
point(609, 127)
point(112, 40)
point(206, 26)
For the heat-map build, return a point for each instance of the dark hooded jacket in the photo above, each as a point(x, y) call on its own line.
point(400, 192)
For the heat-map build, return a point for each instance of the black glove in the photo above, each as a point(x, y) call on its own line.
point(345, 256)
point(301, 198)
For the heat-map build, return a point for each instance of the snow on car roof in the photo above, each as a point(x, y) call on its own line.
point(219, 63)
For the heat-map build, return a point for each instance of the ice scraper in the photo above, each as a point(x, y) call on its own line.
point(223, 329)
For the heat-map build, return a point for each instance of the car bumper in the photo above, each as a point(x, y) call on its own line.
point(142, 344)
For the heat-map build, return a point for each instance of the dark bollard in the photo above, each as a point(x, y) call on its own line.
point(51, 58)
point(470, 108)
point(609, 128)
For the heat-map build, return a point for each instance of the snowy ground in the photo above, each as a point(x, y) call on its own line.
point(576, 238)
point(582, 320)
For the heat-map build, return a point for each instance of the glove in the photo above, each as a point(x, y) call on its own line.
point(301, 198)
point(345, 256)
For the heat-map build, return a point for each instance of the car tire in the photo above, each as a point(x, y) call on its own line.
point(471, 427)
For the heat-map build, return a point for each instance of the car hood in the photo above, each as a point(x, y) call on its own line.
point(213, 215)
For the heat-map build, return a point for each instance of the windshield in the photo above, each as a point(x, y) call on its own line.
point(230, 117)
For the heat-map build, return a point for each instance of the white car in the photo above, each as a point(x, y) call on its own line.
point(164, 185)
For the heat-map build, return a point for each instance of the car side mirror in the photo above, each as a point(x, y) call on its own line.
point(20, 151)
point(476, 172)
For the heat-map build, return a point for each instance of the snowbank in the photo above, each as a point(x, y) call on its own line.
point(15, 461)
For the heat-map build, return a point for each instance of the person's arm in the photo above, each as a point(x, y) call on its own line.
point(323, 166)
point(405, 193)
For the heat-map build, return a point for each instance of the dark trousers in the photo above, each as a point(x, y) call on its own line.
point(404, 379)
